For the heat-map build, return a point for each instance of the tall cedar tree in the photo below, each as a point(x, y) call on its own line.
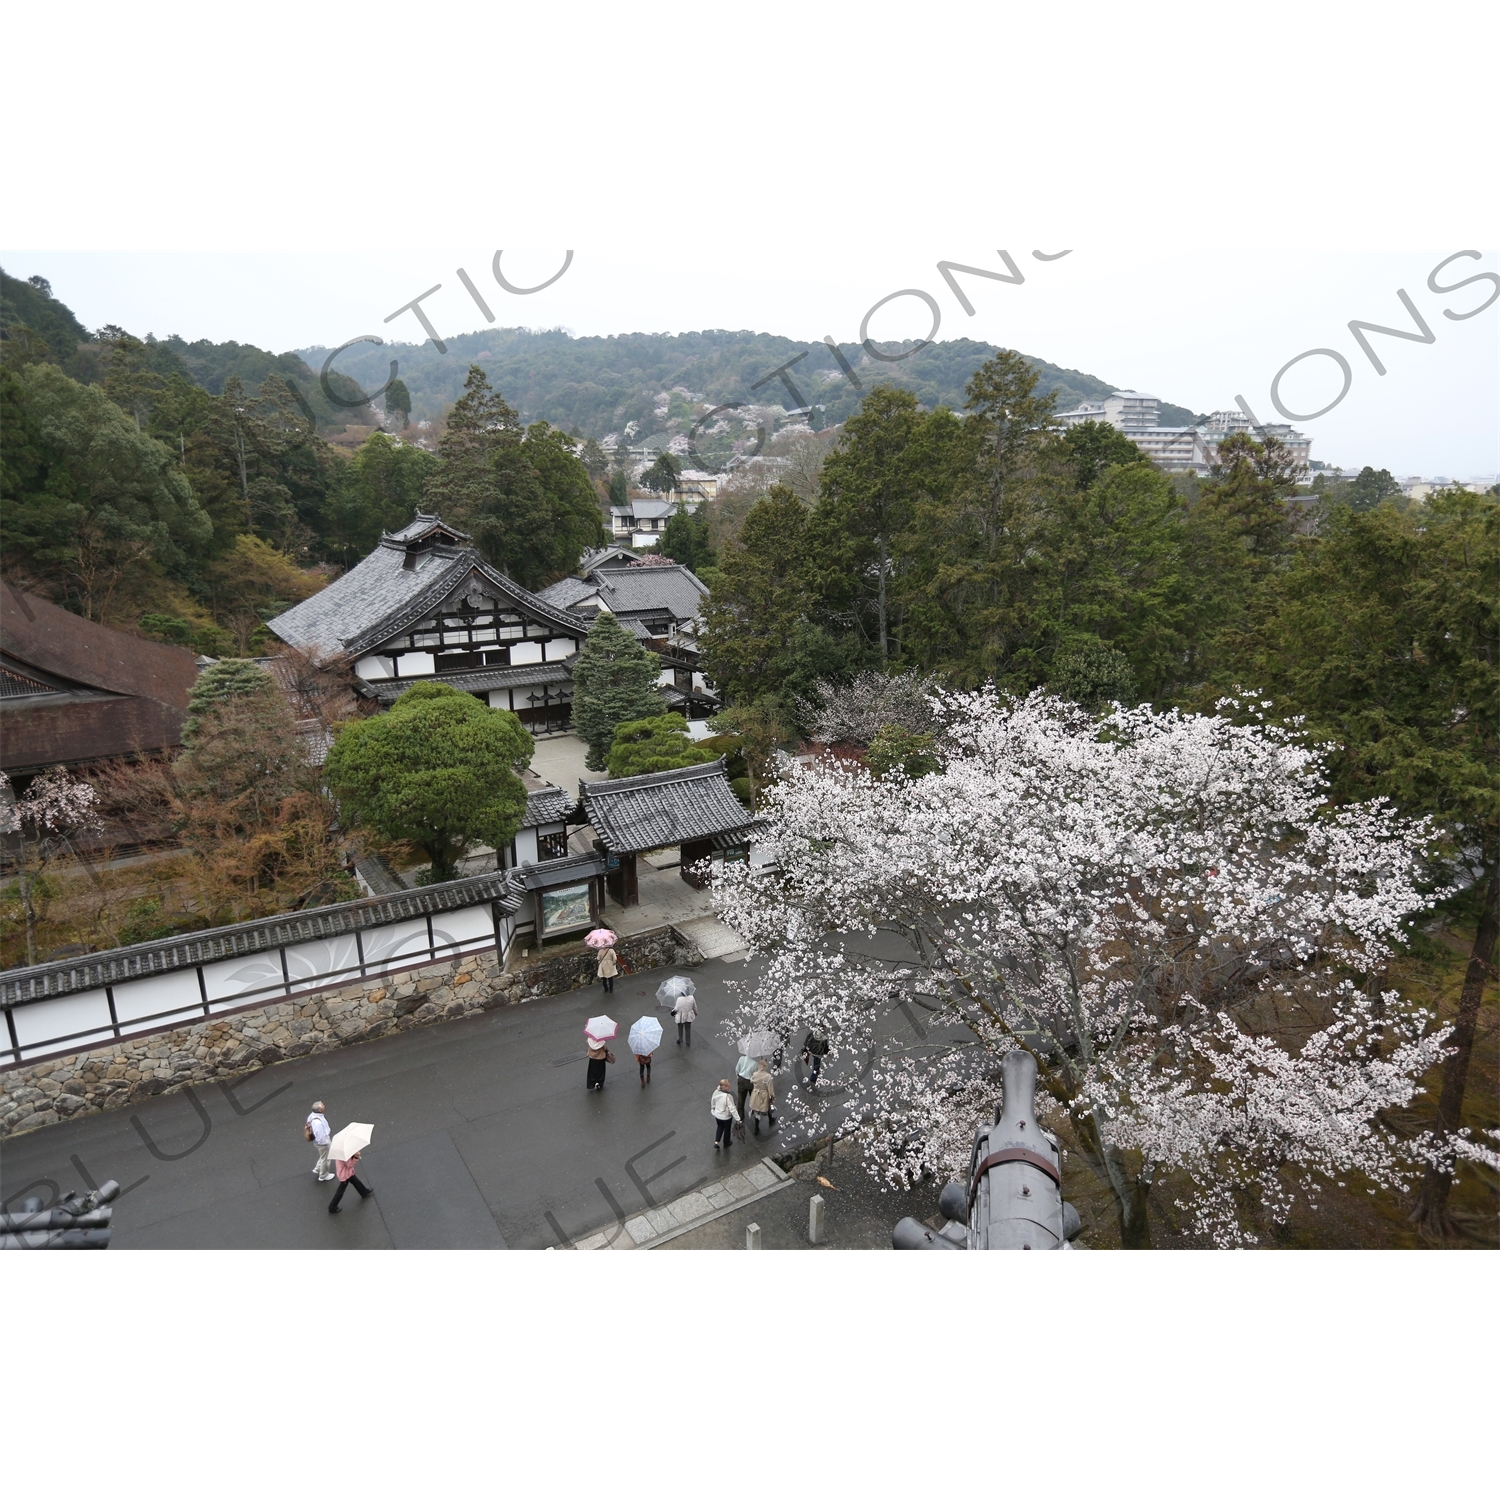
point(753, 619)
point(970, 581)
point(438, 770)
point(613, 684)
point(526, 497)
point(891, 456)
point(685, 539)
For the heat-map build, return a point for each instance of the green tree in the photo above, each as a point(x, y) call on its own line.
point(1093, 676)
point(891, 456)
point(1369, 488)
point(663, 475)
point(438, 770)
point(971, 581)
point(526, 498)
point(685, 539)
point(1093, 447)
point(760, 729)
point(657, 744)
point(398, 402)
point(614, 683)
point(379, 489)
point(233, 677)
point(87, 499)
point(594, 459)
point(761, 602)
point(894, 747)
point(619, 488)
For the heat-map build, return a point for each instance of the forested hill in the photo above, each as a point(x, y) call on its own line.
point(28, 309)
point(596, 386)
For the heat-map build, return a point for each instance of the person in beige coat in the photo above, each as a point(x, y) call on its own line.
point(763, 1097)
point(609, 966)
point(685, 1012)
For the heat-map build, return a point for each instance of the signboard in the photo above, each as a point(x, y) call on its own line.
point(568, 906)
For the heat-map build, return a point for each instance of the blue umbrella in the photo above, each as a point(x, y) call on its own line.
point(645, 1036)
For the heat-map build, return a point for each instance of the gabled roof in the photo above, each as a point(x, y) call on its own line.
point(567, 593)
point(74, 691)
point(403, 580)
point(549, 805)
point(637, 813)
point(676, 589)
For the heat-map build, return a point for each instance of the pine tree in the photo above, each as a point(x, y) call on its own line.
point(234, 677)
point(613, 684)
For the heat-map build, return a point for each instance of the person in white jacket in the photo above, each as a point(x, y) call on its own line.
point(685, 1011)
point(320, 1135)
point(722, 1107)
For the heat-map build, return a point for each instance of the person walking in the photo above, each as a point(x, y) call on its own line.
point(316, 1130)
point(643, 1061)
point(609, 966)
point(685, 1012)
point(814, 1050)
point(743, 1070)
point(599, 1058)
point(763, 1098)
point(345, 1171)
point(722, 1107)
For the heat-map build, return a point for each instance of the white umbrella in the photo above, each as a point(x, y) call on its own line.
point(350, 1141)
point(645, 1036)
point(760, 1044)
point(670, 990)
point(600, 1028)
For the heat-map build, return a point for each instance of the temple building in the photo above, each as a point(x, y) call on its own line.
point(73, 693)
point(424, 606)
point(658, 602)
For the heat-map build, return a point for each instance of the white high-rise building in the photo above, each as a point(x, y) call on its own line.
point(1180, 449)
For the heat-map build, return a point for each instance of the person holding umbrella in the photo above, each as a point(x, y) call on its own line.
point(645, 1038)
point(763, 1097)
point(602, 939)
point(685, 1012)
point(597, 1033)
point(345, 1149)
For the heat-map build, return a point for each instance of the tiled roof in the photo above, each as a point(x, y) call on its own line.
point(388, 689)
point(549, 805)
point(550, 872)
point(380, 596)
point(567, 592)
point(66, 976)
point(637, 813)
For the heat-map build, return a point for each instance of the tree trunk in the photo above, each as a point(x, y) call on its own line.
point(884, 565)
point(1431, 1212)
point(29, 906)
point(1129, 1192)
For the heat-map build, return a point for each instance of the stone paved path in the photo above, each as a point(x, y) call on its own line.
point(692, 1210)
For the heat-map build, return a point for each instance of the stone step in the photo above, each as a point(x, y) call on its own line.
point(712, 938)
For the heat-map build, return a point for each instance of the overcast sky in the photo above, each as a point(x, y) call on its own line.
point(1232, 194)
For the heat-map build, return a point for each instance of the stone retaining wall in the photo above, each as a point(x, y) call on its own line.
point(125, 1072)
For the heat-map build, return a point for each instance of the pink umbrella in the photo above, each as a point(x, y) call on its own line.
point(601, 937)
point(600, 1028)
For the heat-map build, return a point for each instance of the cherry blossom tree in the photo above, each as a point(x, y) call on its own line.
point(53, 810)
point(1164, 908)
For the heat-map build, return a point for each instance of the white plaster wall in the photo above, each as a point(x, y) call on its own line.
point(373, 668)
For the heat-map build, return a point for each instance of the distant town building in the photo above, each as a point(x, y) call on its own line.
point(641, 521)
point(1181, 450)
